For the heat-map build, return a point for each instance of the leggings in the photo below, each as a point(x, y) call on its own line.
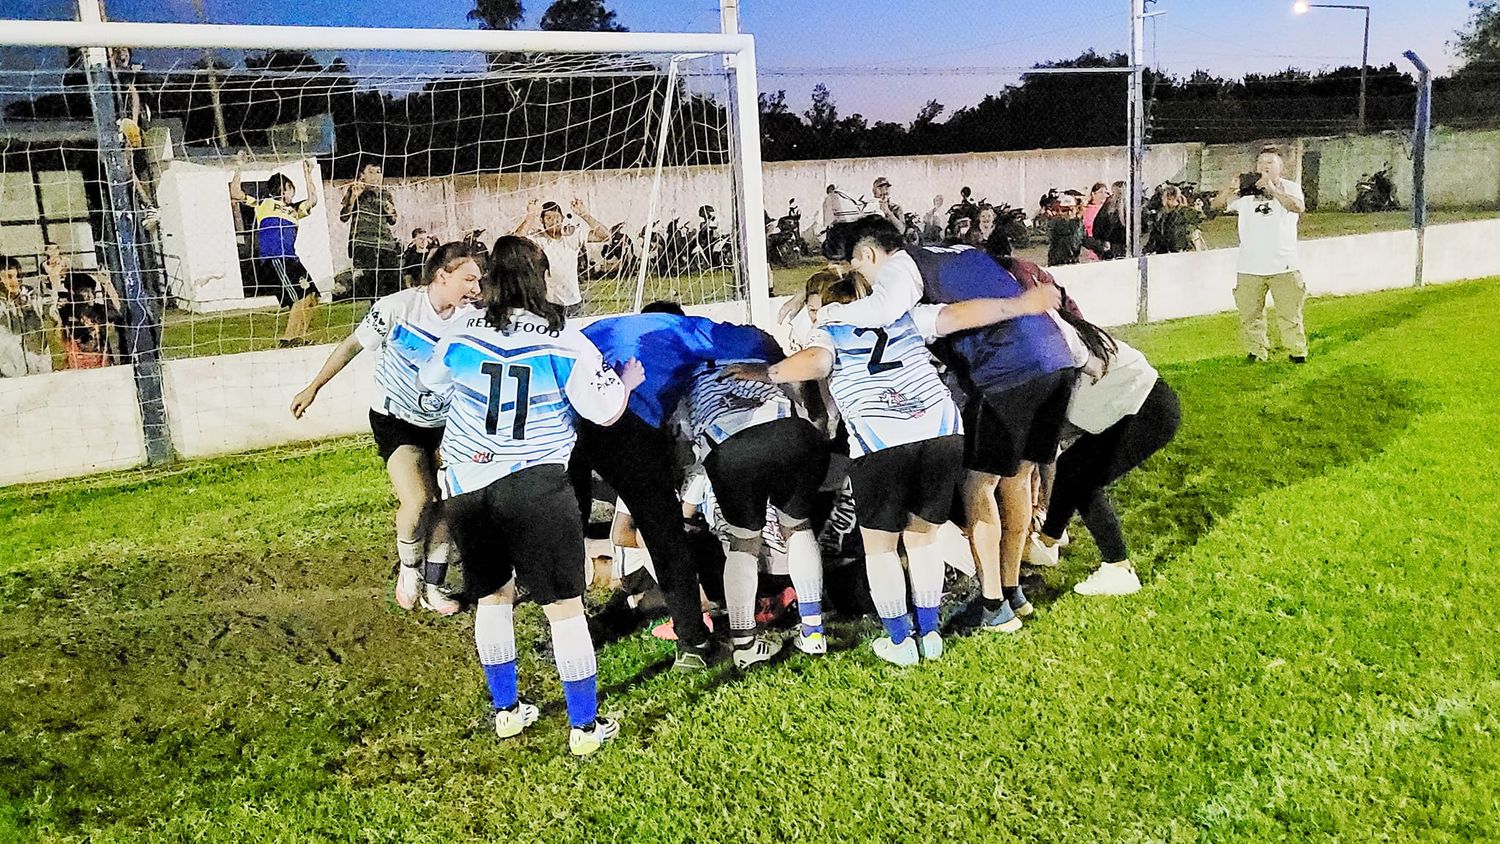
point(1095, 461)
point(637, 461)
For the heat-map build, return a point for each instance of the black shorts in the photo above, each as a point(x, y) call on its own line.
point(288, 275)
point(524, 525)
point(1022, 423)
point(392, 433)
point(783, 462)
point(916, 479)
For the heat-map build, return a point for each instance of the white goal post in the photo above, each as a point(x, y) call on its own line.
point(753, 275)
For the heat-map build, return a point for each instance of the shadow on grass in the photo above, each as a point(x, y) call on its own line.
point(1326, 338)
point(1247, 430)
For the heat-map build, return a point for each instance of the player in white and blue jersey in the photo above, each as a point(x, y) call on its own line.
point(402, 329)
point(907, 443)
point(756, 450)
point(513, 386)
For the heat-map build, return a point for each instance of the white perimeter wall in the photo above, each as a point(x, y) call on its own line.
point(77, 423)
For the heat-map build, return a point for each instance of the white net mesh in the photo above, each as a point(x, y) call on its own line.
point(634, 153)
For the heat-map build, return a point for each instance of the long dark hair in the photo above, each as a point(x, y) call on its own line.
point(517, 281)
point(1098, 341)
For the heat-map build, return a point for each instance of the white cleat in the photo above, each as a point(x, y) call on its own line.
point(1038, 554)
point(931, 645)
point(436, 600)
point(1110, 579)
point(761, 649)
point(582, 742)
point(904, 654)
point(408, 586)
point(812, 643)
point(509, 723)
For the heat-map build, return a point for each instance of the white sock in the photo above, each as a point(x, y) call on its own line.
point(409, 551)
point(495, 633)
point(887, 583)
point(926, 574)
point(741, 577)
point(573, 649)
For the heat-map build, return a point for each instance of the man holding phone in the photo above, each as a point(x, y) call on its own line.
point(1268, 206)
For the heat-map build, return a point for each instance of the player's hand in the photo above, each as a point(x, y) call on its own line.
point(747, 372)
point(577, 206)
point(632, 372)
point(792, 307)
point(302, 401)
point(1041, 299)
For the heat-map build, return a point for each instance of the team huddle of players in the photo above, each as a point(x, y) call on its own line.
point(952, 374)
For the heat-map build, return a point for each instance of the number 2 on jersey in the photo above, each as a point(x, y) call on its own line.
point(497, 373)
point(877, 365)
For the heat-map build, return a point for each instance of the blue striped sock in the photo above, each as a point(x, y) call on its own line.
point(812, 616)
point(927, 620)
point(898, 628)
point(502, 679)
point(583, 700)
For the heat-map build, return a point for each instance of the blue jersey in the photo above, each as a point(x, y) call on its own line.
point(511, 398)
point(672, 348)
point(885, 385)
point(996, 357)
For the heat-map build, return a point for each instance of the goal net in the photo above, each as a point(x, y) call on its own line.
point(140, 188)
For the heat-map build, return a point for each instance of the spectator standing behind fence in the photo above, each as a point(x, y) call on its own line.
point(23, 338)
point(1268, 209)
point(276, 258)
point(1109, 223)
point(1098, 195)
point(376, 254)
point(1177, 226)
point(561, 243)
point(884, 206)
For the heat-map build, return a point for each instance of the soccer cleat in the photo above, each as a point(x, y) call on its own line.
point(1110, 579)
point(584, 741)
point(1002, 620)
point(700, 657)
point(1297, 358)
point(1064, 540)
point(760, 649)
point(812, 643)
point(1039, 554)
point(510, 722)
point(931, 645)
point(434, 599)
point(904, 654)
point(408, 586)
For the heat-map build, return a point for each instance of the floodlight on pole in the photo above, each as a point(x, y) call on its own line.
point(1302, 6)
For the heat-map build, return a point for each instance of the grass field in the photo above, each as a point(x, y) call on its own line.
point(208, 653)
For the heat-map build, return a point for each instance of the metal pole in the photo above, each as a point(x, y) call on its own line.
point(729, 24)
point(1138, 152)
point(1364, 72)
point(655, 195)
point(1421, 135)
point(124, 258)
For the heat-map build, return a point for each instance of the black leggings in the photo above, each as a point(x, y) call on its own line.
point(636, 460)
point(1095, 461)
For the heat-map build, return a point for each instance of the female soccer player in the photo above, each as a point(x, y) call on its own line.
point(402, 329)
point(513, 383)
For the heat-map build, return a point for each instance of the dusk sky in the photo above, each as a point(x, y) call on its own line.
point(797, 41)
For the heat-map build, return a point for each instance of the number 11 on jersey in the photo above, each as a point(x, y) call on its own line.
point(497, 373)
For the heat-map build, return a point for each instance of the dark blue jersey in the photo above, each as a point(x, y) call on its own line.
point(671, 348)
point(996, 357)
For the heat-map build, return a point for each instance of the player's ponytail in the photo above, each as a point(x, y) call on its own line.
point(517, 281)
point(1098, 341)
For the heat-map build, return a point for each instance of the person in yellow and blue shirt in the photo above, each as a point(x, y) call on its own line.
point(276, 218)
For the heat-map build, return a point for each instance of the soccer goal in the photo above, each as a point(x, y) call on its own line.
point(163, 161)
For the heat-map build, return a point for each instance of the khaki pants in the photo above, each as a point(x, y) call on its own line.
point(1289, 293)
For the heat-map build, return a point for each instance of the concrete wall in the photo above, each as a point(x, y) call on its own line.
point(76, 423)
point(67, 424)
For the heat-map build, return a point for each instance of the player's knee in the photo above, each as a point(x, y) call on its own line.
point(744, 540)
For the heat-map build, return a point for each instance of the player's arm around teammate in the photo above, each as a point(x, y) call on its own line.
point(402, 330)
point(513, 383)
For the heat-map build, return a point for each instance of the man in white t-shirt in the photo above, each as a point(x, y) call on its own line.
point(561, 241)
point(1268, 215)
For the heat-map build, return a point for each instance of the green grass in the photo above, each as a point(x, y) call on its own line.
point(208, 652)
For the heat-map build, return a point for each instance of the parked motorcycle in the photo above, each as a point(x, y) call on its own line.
point(1375, 192)
point(784, 244)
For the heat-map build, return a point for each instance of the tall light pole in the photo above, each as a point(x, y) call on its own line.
point(1301, 7)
